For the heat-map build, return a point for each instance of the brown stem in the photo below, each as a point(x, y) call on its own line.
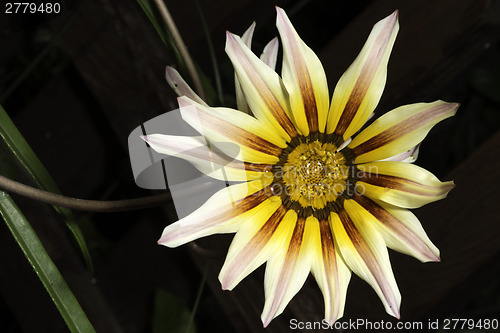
point(169, 21)
point(81, 204)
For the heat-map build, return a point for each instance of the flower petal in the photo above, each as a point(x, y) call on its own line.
point(304, 79)
point(181, 88)
point(359, 90)
point(205, 158)
point(247, 36)
point(241, 102)
point(400, 229)
point(222, 213)
point(400, 184)
point(256, 241)
point(262, 88)
point(399, 130)
point(258, 144)
point(408, 156)
point(269, 55)
point(330, 272)
point(364, 251)
point(288, 268)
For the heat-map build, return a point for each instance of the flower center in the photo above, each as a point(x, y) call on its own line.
point(310, 175)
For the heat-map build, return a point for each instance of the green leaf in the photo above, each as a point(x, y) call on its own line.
point(151, 12)
point(211, 50)
point(170, 314)
point(28, 159)
point(54, 283)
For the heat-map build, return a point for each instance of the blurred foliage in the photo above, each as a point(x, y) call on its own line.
point(170, 314)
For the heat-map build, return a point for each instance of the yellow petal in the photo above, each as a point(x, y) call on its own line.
point(408, 156)
point(304, 79)
point(262, 88)
point(400, 229)
point(400, 184)
point(222, 213)
point(359, 90)
point(288, 268)
point(256, 241)
point(257, 143)
point(330, 272)
point(364, 251)
point(399, 130)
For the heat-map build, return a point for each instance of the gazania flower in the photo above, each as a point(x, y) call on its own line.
point(308, 198)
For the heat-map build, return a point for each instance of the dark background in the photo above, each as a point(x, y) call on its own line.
point(76, 84)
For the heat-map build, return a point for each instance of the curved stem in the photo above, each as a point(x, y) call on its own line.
point(169, 21)
point(81, 204)
point(215, 66)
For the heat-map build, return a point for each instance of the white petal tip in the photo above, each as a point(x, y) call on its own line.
point(266, 320)
point(225, 281)
point(281, 11)
point(395, 312)
point(162, 241)
point(247, 36)
point(281, 14)
point(450, 107)
point(330, 321)
point(436, 256)
point(429, 256)
point(394, 16)
point(449, 185)
point(169, 240)
point(183, 101)
point(231, 41)
point(172, 75)
point(225, 285)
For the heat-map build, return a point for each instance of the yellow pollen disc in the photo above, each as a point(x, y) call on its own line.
point(314, 174)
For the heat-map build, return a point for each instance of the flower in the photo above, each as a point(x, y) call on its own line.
point(309, 199)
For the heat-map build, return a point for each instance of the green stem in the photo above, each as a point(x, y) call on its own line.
point(198, 298)
point(169, 21)
point(215, 66)
point(81, 204)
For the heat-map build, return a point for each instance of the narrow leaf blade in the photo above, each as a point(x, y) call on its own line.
point(28, 159)
point(54, 283)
